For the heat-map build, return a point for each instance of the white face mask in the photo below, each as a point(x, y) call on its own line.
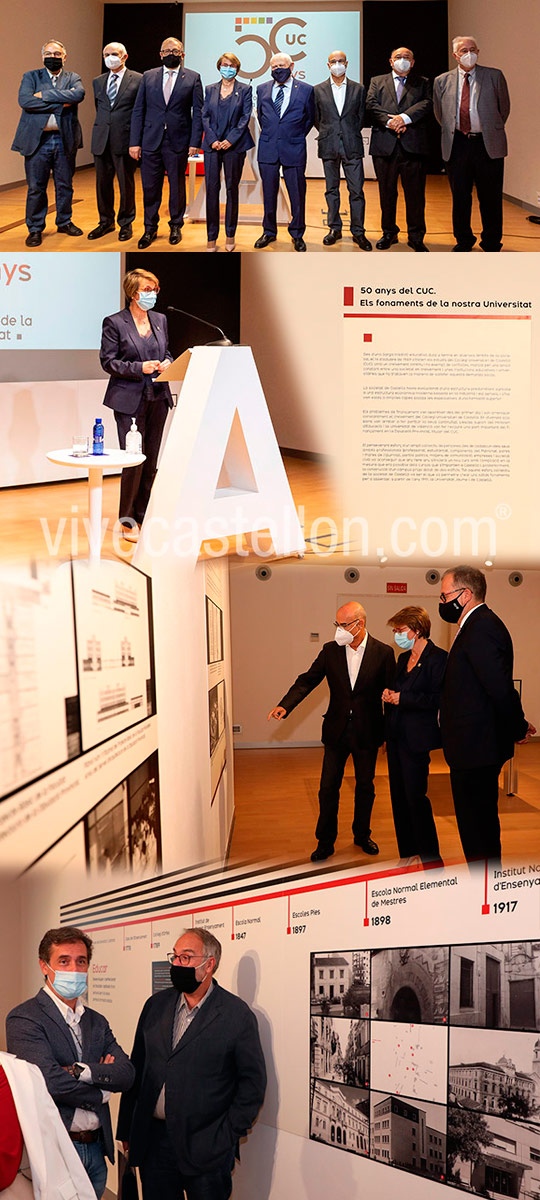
point(343, 637)
point(403, 65)
point(337, 69)
point(113, 62)
point(468, 60)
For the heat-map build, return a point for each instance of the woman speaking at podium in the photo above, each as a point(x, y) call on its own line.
point(134, 352)
point(226, 116)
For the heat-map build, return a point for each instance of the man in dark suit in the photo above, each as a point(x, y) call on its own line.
point(357, 669)
point(399, 105)
point(115, 93)
point(49, 135)
point(200, 1079)
point(472, 104)
point(339, 116)
point(286, 114)
point(74, 1048)
point(481, 715)
point(166, 128)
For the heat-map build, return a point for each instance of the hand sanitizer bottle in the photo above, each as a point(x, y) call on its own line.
point(134, 439)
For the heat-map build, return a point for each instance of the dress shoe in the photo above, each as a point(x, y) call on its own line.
point(264, 240)
point(461, 248)
point(126, 233)
point(175, 235)
point(34, 238)
point(147, 238)
point(299, 244)
point(362, 241)
point(320, 854)
point(333, 236)
point(70, 228)
point(100, 231)
point(211, 247)
point(367, 845)
point(387, 240)
point(230, 245)
point(420, 247)
point(130, 533)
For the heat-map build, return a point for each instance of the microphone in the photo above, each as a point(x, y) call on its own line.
point(223, 340)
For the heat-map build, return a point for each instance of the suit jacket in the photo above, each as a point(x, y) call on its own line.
point(112, 125)
point(241, 104)
point(215, 1080)
point(119, 356)
point(182, 116)
point(376, 673)
point(481, 713)
point(414, 721)
point(332, 126)
point(493, 108)
point(37, 1032)
point(36, 112)
point(382, 103)
point(284, 140)
point(56, 1169)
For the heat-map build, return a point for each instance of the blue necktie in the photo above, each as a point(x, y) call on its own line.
point(278, 102)
point(112, 88)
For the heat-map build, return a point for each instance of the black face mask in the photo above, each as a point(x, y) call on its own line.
point(281, 74)
point(451, 610)
point(53, 64)
point(184, 979)
point(171, 61)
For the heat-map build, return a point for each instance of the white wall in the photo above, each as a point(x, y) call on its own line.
point(272, 622)
point(41, 416)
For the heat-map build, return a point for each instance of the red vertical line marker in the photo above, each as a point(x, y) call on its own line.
point(288, 913)
point(366, 918)
point(232, 924)
point(485, 906)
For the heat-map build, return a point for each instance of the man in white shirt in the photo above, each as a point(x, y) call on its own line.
point(339, 117)
point(74, 1048)
point(357, 669)
point(115, 92)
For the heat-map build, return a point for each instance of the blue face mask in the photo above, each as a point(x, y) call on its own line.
point(404, 642)
point(281, 74)
point(146, 300)
point(70, 984)
point(227, 72)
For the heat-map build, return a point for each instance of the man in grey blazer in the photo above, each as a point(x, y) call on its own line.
point(74, 1048)
point(471, 104)
point(339, 116)
point(399, 106)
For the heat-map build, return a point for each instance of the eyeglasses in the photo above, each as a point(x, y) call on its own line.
point(184, 959)
point(149, 287)
point(346, 624)
point(444, 596)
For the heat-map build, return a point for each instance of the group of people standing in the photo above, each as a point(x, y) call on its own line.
point(162, 117)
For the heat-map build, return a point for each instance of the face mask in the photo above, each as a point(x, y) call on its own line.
point(337, 69)
point(184, 979)
point(53, 64)
point(404, 642)
point(281, 74)
point(70, 984)
point(171, 61)
point(227, 72)
point(469, 59)
point(402, 65)
point(343, 637)
point(146, 300)
point(451, 610)
point(113, 62)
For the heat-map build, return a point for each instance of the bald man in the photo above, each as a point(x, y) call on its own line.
point(357, 669)
point(339, 116)
point(166, 128)
point(115, 92)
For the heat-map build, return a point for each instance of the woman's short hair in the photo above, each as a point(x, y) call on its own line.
point(227, 54)
point(133, 279)
point(413, 617)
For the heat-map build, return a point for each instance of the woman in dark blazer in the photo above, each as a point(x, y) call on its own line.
point(412, 730)
point(226, 116)
point(134, 352)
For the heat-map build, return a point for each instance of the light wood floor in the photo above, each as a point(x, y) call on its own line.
point(519, 234)
point(276, 809)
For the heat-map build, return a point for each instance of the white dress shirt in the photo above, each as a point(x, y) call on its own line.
point(476, 126)
point(83, 1118)
point(52, 123)
point(354, 659)
point(287, 89)
point(119, 75)
point(166, 73)
point(339, 93)
point(400, 79)
point(471, 610)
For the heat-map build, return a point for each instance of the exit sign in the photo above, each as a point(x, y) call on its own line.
point(396, 587)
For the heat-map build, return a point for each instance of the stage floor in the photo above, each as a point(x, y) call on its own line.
point(519, 233)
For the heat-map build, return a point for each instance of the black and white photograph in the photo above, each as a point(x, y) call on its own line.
point(340, 1050)
point(409, 1135)
point(496, 985)
point(410, 984)
point(340, 983)
point(495, 1071)
point(340, 1116)
point(492, 1157)
point(216, 714)
point(123, 831)
point(214, 632)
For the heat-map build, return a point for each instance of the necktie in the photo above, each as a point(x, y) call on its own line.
point(400, 84)
point(54, 80)
point(112, 88)
point(278, 102)
point(464, 107)
point(168, 87)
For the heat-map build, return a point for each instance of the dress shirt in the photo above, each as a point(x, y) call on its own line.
point(52, 123)
point(82, 1117)
point(339, 93)
point(183, 1016)
point(471, 610)
point(119, 75)
point(287, 89)
point(354, 659)
point(400, 79)
point(166, 73)
point(476, 126)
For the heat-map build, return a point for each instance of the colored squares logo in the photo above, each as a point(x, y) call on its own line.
point(239, 22)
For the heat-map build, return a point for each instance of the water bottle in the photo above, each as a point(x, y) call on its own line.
point(134, 439)
point(97, 436)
